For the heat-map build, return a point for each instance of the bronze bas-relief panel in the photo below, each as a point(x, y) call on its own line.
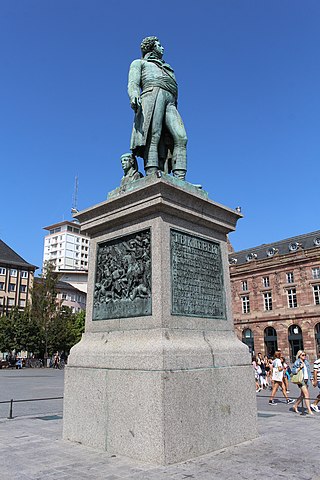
point(196, 277)
point(123, 277)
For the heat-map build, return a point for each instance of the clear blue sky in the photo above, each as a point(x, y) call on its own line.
point(248, 74)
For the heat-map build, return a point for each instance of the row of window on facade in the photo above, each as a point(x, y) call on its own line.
point(293, 247)
point(12, 287)
point(315, 274)
point(295, 340)
point(72, 297)
point(70, 262)
point(70, 238)
point(69, 229)
point(12, 302)
point(57, 253)
point(291, 298)
point(13, 272)
point(55, 246)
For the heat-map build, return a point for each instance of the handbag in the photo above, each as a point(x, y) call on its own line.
point(297, 377)
point(276, 375)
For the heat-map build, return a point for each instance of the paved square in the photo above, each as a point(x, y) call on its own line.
point(32, 449)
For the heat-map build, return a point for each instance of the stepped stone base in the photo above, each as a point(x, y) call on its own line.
point(171, 383)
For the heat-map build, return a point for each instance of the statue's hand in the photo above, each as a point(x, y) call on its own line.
point(135, 103)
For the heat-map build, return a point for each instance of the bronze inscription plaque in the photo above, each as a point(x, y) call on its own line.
point(196, 277)
point(123, 277)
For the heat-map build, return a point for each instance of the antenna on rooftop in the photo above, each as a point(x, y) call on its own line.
point(74, 208)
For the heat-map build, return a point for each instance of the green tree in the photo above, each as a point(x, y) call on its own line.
point(78, 326)
point(66, 330)
point(45, 308)
point(6, 334)
point(47, 326)
point(18, 332)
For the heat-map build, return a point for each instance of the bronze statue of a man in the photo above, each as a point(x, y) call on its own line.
point(158, 134)
point(130, 169)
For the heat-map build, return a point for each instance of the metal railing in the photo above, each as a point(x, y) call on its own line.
point(12, 401)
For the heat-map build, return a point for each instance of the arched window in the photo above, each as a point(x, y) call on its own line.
point(247, 338)
point(270, 340)
point(295, 341)
point(317, 337)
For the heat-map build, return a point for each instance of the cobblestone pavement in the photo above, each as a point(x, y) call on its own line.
point(32, 449)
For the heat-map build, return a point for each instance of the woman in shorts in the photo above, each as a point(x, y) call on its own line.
point(302, 363)
point(277, 378)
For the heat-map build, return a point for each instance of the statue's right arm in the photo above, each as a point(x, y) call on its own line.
point(134, 84)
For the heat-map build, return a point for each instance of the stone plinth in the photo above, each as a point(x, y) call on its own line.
point(172, 382)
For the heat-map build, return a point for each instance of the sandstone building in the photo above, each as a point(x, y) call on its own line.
point(276, 295)
point(16, 280)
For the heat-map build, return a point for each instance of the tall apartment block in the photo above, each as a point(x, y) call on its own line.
point(66, 247)
point(16, 280)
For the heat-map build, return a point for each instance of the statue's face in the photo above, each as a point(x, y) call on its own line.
point(158, 48)
point(126, 163)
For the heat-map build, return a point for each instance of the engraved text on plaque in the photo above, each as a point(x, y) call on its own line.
point(196, 277)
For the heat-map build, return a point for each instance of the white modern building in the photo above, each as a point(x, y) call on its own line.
point(65, 247)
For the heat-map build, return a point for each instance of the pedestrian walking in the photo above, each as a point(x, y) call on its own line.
point(316, 382)
point(285, 380)
point(277, 378)
point(302, 365)
point(257, 371)
point(56, 360)
point(268, 370)
point(263, 373)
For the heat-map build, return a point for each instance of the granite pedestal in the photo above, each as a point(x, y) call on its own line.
point(172, 382)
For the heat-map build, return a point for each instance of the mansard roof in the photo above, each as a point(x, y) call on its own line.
point(287, 246)
point(10, 257)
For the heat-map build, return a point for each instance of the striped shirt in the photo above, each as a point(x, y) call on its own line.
point(316, 367)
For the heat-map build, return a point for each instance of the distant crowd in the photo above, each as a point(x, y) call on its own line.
point(14, 360)
point(274, 373)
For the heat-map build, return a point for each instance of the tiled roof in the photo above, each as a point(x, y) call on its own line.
point(66, 286)
point(281, 247)
point(10, 257)
point(61, 285)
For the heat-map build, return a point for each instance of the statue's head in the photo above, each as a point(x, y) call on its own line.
point(128, 160)
point(151, 44)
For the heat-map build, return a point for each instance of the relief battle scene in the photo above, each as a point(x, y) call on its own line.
point(123, 277)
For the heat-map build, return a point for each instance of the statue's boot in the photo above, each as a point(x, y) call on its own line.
point(179, 160)
point(151, 162)
point(181, 174)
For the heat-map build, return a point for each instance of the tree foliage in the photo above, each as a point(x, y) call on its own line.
point(44, 328)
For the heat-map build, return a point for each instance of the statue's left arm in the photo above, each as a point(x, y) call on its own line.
point(134, 84)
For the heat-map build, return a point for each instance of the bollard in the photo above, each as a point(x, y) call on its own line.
point(10, 409)
point(303, 410)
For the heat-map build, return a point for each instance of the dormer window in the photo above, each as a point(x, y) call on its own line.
point(293, 246)
point(251, 256)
